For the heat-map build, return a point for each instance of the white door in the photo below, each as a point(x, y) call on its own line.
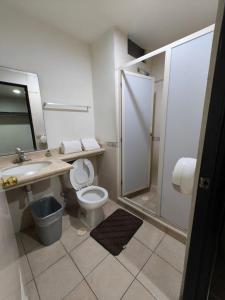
point(137, 111)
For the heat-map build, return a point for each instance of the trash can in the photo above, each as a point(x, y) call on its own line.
point(47, 213)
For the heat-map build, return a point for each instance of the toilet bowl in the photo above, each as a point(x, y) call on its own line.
point(91, 198)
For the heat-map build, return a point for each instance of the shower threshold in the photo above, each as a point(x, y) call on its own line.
point(154, 219)
point(139, 205)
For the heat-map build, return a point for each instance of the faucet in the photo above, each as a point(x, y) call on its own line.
point(21, 156)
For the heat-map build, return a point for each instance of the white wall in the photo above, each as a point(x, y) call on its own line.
point(9, 253)
point(63, 65)
point(103, 65)
point(103, 72)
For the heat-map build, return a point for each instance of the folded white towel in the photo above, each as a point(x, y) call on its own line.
point(90, 144)
point(71, 146)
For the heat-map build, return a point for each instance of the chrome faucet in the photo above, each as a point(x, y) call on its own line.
point(21, 155)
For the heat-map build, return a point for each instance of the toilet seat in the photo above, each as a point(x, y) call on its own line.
point(82, 174)
point(92, 196)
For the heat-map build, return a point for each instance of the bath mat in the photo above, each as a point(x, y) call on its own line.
point(116, 231)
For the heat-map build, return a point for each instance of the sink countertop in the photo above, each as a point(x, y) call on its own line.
point(57, 167)
point(76, 155)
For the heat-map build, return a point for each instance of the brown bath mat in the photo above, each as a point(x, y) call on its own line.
point(116, 231)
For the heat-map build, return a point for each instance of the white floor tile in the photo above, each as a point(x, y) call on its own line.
point(109, 280)
point(162, 280)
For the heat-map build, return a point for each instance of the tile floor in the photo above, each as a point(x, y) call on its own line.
point(147, 200)
point(78, 268)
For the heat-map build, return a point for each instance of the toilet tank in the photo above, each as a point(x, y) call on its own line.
point(66, 178)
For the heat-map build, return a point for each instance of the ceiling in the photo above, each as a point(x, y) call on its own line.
point(150, 23)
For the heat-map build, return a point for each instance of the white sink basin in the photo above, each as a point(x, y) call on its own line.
point(27, 169)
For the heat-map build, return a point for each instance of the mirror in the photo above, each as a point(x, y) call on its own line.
point(21, 116)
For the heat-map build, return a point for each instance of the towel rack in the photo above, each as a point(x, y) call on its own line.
point(67, 107)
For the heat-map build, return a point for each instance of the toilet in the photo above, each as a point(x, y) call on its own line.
point(91, 198)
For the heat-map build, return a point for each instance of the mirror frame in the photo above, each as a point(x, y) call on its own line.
point(30, 80)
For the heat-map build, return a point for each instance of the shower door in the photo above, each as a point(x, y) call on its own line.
point(186, 94)
point(137, 111)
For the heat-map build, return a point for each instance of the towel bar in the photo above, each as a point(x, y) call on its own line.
point(66, 107)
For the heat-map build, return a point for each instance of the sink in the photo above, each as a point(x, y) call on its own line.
point(27, 169)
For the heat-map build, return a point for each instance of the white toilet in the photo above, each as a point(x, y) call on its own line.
point(90, 198)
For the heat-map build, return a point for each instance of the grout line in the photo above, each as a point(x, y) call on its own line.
point(33, 278)
point(81, 242)
point(168, 263)
point(92, 271)
point(91, 288)
point(156, 247)
point(127, 288)
point(74, 288)
point(143, 244)
point(149, 257)
point(135, 276)
point(97, 265)
point(143, 265)
point(115, 257)
point(83, 280)
point(35, 283)
point(164, 258)
point(153, 250)
point(61, 257)
point(123, 265)
point(69, 254)
point(147, 289)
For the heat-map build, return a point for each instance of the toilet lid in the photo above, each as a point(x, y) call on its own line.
point(82, 174)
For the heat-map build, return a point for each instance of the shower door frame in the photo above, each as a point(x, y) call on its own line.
point(151, 126)
point(167, 50)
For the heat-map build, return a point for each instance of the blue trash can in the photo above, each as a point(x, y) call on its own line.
point(47, 213)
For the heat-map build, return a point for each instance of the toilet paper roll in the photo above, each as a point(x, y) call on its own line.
point(183, 175)
point(70, 146)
